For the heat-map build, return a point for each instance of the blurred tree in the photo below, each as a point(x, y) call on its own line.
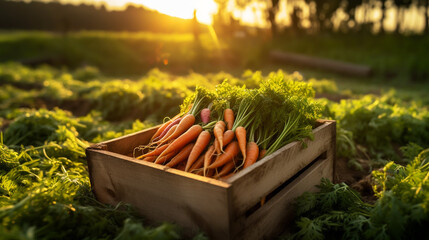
point(368, 23)
point(296, 18)
point(196, 27)
point(272, 10)
point(323, 12)
point(400, 13)
point(425, 5)
point(220, 19)
point(350, 9)
point(427, 17)
point(383, 15)
point(53, 16)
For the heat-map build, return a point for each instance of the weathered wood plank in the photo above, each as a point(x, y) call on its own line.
point(194, 202)
point(274, 216)
point(269, 173)
point(321, 63)
point(126, 144)
point(162, 194)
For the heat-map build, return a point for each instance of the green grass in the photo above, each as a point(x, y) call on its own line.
point(114, 53)
point(42, 155)
point(391, 56)
point(401, 211)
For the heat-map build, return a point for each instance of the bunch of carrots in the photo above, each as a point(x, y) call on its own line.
point(222, 131)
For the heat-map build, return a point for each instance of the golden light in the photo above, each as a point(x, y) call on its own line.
point(182, 9)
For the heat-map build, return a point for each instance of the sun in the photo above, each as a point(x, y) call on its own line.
point(182, 9)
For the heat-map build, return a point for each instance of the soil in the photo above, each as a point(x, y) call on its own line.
point(79, 107)
point(4, 124)
point(359, 180)
point(364, 187)
point(332, 96)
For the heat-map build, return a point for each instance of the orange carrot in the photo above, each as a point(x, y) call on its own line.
point(263, 200)
point(197, 164)
point(231, 151)
point(183, 126)
point(184, 139)
point(218, 130)
point(228, 116)
point(227, 168)
point(252, 151)
point(240, 133)
point(228, 136)
point(165, 158)
point(155, 152)
point(150, 159)
point(163, 127)
point(175, 122)
point(201, 143)
point(227, 176)
point(210, 172)
point(262, 153)
point(181, 156)
point(208, 157)
point(181, 166)
point(216, 146)
point(167, 135)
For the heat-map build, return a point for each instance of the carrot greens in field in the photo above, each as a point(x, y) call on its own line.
point(401, 212)
point(45, 191)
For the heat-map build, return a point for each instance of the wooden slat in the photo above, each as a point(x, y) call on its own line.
point(194, 202)
point(126, 144)
point(160, 193)
point(322, 63)
point(269, 173)
point(272, 218)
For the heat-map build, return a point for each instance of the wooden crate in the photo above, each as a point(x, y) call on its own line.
point(223, 209)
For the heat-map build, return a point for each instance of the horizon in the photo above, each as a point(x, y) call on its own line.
point(253, 14)
point(180, 9)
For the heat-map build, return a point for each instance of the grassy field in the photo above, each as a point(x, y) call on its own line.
point(399, 62)
point(114, 53)
point(393, 58)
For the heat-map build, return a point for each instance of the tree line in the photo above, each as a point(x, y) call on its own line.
point(322, 13)
point(54, 16)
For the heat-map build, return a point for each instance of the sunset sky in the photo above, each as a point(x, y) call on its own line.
point(253, 14)
point(185, 8)
point(182, 9)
